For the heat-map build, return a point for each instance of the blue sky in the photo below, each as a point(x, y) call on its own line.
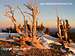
point(47, 12)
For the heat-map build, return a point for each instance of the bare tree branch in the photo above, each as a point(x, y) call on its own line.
point(28, 13)
point(20, 11)
point(29, 6)
point(10, 13)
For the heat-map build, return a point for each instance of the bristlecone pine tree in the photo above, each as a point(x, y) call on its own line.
point(35, 12)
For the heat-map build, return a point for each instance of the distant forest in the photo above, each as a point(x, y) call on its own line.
point(11, 30)
point(52, 32)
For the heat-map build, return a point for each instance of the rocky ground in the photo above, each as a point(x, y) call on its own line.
point(33, 52)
